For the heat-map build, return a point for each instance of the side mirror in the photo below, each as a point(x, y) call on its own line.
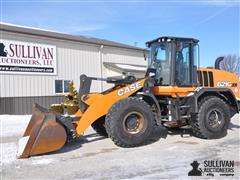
point(146, 54)
point(145, 57)
point(151, 74)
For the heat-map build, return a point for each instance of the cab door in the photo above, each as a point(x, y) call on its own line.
point(186, 61)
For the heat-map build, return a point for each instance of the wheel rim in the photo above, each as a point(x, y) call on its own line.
point(133, 123)
point(215, 119)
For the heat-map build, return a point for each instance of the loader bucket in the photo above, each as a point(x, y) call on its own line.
point(43, 134)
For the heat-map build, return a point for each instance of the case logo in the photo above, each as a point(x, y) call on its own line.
point(128, 89)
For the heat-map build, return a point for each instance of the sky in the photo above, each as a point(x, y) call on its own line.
point(216, 23)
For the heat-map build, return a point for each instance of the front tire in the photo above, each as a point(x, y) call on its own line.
point(212, 120)
point(130, 122)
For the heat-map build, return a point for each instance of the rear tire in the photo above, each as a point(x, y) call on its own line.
point(130, 122)
point(99, 127)
point(212, 120)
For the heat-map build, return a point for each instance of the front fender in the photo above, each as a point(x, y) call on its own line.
point(102, 103)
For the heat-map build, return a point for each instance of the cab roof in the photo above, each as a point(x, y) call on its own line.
point(171, 38)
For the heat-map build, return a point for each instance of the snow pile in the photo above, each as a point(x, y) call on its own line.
point(21, 145)
point(8, 153)
point(13, 125)
point(42, 161)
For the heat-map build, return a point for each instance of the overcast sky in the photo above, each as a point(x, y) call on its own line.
point(216, 23)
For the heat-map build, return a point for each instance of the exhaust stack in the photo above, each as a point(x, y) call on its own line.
point(218, 61)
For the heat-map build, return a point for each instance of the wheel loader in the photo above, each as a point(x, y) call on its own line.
point(175, 92)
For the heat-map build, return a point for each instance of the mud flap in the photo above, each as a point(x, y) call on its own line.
point(43, 134)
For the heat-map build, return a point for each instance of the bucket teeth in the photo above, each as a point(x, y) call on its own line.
point(43, 134)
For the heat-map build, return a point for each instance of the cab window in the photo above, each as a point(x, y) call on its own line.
point(183, 65)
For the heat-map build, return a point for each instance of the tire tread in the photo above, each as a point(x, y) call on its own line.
point(109, 125)
point(196, 127)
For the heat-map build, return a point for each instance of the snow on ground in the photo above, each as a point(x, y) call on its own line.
point(9, 151)
point(22, 144)
point(93, 156)
point(39, 161)
point(13, 125)
point(12, 128)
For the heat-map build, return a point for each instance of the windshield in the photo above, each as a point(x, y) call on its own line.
point(160, 59)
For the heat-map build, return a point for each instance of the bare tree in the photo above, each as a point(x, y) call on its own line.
point(231, 63)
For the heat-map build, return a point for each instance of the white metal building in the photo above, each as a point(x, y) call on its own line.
point(36, 65)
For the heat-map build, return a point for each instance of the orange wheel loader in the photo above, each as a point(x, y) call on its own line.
point(175, 92)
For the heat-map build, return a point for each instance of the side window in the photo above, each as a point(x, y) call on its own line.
point(195, 55)
point(62, 86)
point(163, 66)
point(161, 54)
point(161, 61)
point(58, 86)
point(183, 65)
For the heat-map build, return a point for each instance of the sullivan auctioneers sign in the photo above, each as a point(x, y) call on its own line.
point(18, 57)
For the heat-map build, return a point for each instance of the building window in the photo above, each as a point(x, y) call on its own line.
point(62, 86)
point(66, 86)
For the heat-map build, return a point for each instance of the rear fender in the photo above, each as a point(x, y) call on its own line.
point(225, 93)
point(103, 103)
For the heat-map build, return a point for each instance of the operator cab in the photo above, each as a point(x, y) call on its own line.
point(174, 61)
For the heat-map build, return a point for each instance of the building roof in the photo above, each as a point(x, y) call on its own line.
point(120, 67)
point(58, 35)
